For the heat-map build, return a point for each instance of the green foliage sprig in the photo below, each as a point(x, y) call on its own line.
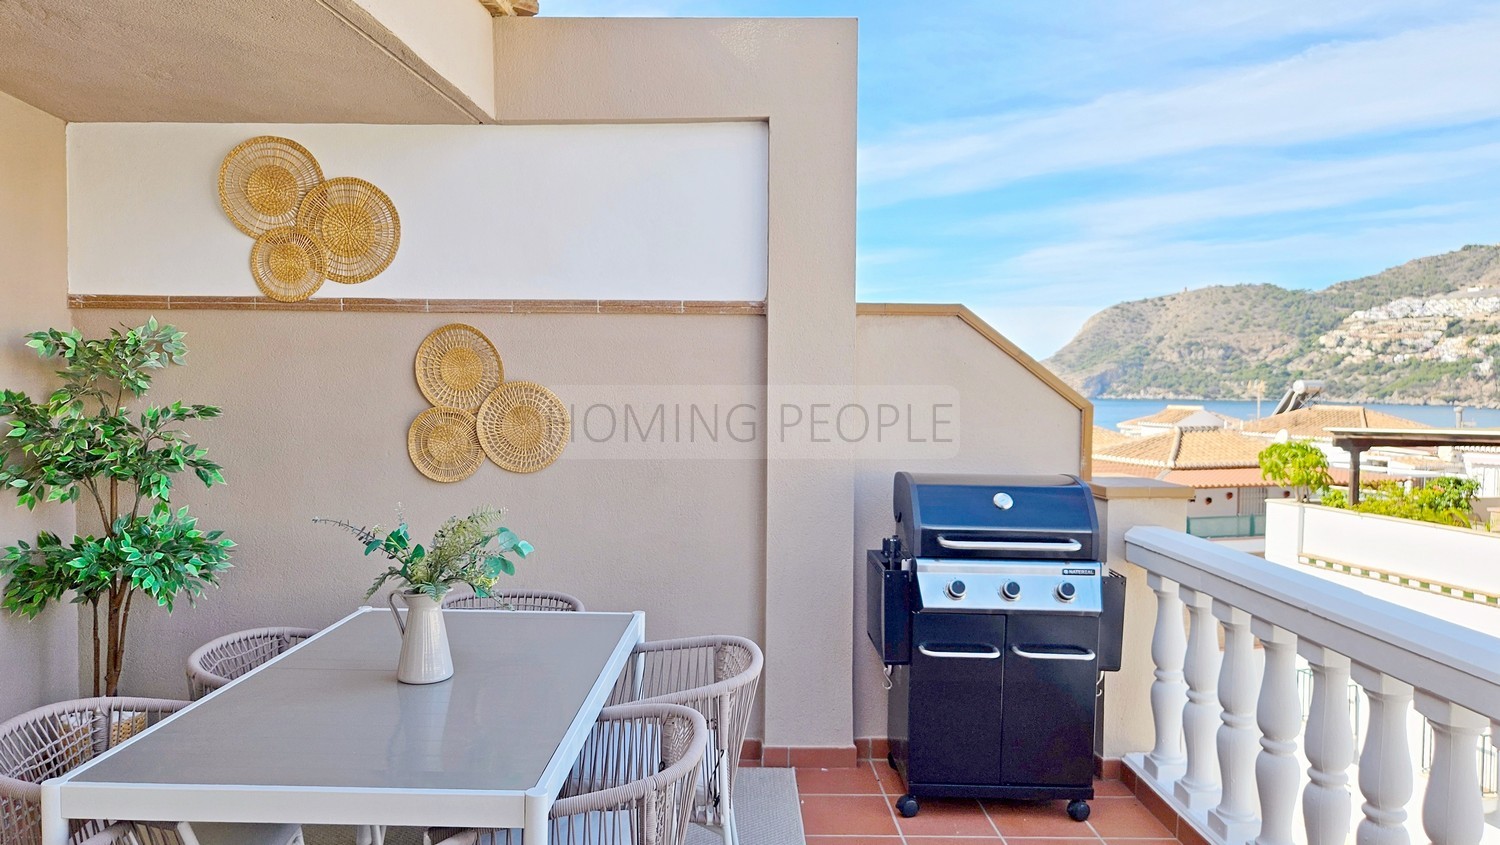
point(474, 550)
point(1445, 501)
point(1296, 464)
point(84, 444)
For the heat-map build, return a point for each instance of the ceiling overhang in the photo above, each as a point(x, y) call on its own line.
point(212, 61)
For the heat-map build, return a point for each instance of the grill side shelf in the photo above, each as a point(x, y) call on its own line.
point(888, 590)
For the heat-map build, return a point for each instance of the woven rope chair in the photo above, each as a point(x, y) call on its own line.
point(632, 784)
point(217, 663)
point(51, 741)
point(515, 600)
point(716, 676)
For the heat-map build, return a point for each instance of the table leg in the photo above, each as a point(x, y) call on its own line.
point(538, 805)
point(54, 826)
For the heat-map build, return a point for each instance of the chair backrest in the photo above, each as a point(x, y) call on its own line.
point(717, 676)
point(643, 759)
point(515, 600)
point(53, 740)
point(220, 661)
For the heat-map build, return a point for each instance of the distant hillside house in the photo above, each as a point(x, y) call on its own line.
point(1220, 464)
point(1177, 416)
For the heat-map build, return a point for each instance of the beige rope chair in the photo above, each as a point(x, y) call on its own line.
point(217, 663)
point(717, 677)
point(632, 784)
point(515, 600)
point(51, 741)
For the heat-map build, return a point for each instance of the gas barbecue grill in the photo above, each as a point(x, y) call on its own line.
point(994, 615)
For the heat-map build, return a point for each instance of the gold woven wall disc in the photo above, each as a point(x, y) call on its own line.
point(263, 180)
point(444, 445)
point(357, 225)
point(523, 426)
point(288, 264)
point(457, 367)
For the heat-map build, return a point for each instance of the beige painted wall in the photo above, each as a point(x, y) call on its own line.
point(316, 411)
point(799, 76)
point(1010, 422)
point(38, 659)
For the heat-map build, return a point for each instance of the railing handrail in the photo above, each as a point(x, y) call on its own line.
point(1446, 659)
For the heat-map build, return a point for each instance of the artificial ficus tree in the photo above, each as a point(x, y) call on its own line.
point(83, 444)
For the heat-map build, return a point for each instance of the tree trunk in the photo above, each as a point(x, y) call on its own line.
point(94, 617)
point(115, 653)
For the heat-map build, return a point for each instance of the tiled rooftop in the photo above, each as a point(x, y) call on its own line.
point(1315, 421)
point(849, 806)
point(1187, 448)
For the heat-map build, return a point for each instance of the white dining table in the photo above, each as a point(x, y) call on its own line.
point(324, 734)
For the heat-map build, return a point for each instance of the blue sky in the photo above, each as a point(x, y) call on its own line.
point(1041, 161)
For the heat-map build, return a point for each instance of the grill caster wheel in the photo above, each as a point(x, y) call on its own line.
point(1078, 811)
point(908, 806)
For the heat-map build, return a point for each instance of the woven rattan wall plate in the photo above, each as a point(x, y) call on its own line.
point(357, 225)
point(458, 367)
point(263, 180)
point(523, 426)
point(287, 264)
point(444, 445)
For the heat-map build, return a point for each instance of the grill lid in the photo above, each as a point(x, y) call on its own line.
point(1010, 517)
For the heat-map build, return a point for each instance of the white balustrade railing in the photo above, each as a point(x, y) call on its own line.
point(1229, 725)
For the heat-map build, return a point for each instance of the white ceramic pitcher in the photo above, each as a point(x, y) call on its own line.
point(425, 658)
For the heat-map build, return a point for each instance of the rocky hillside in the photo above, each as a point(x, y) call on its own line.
point(1426, 331)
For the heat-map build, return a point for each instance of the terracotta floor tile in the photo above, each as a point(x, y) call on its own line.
point(865, 815)
point(853, 840)
point(1136, 842)
point(1021, 840)
point(890, 779)
point(992, 839)
point(947, 817)
point(1036, 818)
point(1118, 818)
point(857, 781)
point(1111, 788)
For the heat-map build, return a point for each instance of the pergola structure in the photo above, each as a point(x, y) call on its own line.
point(1357, 440)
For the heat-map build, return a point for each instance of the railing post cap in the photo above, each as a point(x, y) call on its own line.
point(1444, 712)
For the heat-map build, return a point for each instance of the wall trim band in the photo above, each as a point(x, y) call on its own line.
point(428, 306)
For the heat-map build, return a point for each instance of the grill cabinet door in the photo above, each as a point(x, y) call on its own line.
point(957, 668)
point(1049, 704)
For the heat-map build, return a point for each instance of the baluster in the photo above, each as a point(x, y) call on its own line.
point(1494, 817)
point(1279, 715)
point(1385, 764)
point(1453, 811)
point(1166, 762)
point(1330, 748)
point(1235, 820)
point(1198, 789)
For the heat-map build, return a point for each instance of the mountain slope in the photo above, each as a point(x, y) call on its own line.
point(1210, 342)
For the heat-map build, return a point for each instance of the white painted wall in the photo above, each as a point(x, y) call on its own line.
point(1458, 556)
point(659, 211)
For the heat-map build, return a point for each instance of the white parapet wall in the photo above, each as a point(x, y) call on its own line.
point(1439, 556)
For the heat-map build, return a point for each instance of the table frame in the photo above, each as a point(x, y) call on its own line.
point(64, 798)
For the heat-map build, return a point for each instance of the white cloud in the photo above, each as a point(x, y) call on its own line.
point(1267, 189)
point(1432, 77)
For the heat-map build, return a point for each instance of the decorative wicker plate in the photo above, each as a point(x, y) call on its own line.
point(523, 426)
point(444, 445)
point(263, 180)
point(287, 264)
point(357, 225)
point(457, 367)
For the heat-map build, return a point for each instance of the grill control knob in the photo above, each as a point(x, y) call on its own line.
point(1066, 591)
point(956, 589)
point(1010, 591)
